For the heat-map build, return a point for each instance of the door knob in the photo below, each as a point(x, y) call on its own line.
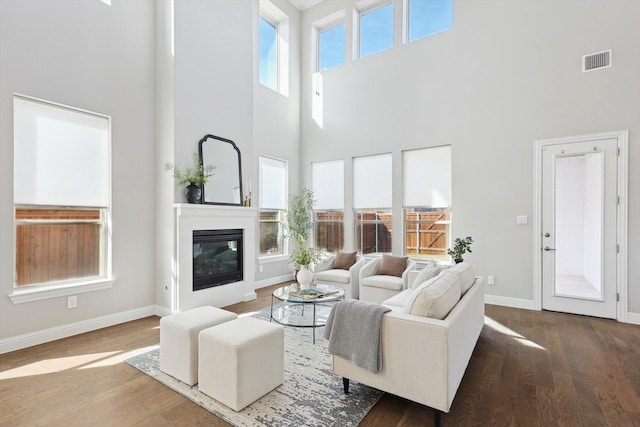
point(547, 248)
point(547, 235)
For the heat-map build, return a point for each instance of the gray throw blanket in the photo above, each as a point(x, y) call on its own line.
point(353, 330)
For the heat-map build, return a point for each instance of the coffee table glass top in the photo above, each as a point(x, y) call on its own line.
point(304, 309)
point(326, 293)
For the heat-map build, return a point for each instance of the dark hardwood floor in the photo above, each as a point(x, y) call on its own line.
point(528, 369)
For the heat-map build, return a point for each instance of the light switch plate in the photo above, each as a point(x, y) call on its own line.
point(522, 220)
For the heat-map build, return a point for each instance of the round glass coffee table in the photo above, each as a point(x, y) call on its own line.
point(305, 308)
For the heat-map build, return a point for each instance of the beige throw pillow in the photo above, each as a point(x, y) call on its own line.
point(393, 265)
point(436, 297)
point(344, 260)
point(464, 270)
point(424, 275)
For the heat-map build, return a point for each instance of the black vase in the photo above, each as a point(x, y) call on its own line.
point(194, 193)
point(458, 260)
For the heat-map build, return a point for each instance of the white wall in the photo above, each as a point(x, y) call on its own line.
point(100, 58)
point(508, 73)
point(277, 125)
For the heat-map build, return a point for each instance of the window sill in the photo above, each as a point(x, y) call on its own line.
point(20, 296)
point(272, 258)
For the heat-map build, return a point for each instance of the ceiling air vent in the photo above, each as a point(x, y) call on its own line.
point(595, 61)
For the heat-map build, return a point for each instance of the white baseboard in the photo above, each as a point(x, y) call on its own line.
point(64, 331)
point(273, 280)
point(525, 304)
point(633, 318)
point(161, 311)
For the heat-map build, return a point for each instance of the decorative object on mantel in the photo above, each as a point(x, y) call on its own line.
point(226, 187)
point(299, 222)
point(460, 247)
point(196, 176)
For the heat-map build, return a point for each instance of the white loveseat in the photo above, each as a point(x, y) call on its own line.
point(424, 358)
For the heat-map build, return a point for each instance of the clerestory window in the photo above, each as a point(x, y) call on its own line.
point(273, 56)
point(427, 17)
point(375, 29)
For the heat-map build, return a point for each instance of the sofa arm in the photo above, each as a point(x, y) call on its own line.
point(411, 265)
point(354, 272)
point(424, 359)
point(414, 360)
point(370, 268)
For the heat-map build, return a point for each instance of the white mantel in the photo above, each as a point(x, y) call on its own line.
point(190, 217)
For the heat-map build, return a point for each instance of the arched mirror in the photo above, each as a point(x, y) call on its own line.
point(225, 186)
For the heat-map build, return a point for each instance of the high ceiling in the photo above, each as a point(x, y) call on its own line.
point(305, 4)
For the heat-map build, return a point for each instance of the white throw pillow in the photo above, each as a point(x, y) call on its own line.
point(465, 271)
point(424, 275)
point(436, 297)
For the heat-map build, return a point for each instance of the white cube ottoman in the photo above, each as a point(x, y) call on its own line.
point(241, 361)
point(179, 340)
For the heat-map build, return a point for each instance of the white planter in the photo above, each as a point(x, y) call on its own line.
point(305, 277)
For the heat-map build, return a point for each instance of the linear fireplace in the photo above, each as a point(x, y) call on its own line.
point(217, 257)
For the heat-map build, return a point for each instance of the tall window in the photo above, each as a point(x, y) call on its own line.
point(273, 204)
point(61, 193)
point(376, 29)
point(331, 47)
point(427, 17)
point(268, 53)
point(426, 175)
point(273, 60)
point(372, 201)
point(328, 190)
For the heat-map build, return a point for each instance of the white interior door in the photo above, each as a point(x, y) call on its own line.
point(579, 227)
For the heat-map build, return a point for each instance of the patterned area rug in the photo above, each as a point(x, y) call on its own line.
point(310, 396)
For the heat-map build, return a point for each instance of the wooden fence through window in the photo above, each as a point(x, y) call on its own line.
point(424, 237)
point(329, 230)
point(56, 245)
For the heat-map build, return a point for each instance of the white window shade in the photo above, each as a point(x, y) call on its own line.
point(427, 177)
point(372, 182)
point(327, 179)
point(61, 155)
point(273, 183)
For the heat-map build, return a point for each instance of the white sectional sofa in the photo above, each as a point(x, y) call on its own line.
point(424, 358)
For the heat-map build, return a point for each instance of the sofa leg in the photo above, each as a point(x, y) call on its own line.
point(345, 384)
point(437, 417)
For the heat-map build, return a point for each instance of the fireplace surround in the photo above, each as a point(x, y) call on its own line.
point(194, 217)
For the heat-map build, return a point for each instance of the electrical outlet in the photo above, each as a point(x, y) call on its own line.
point(491, 279)
point(261, 268)
point(72, 301)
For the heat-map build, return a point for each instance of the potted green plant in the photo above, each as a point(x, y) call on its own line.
point(460, 247)
point(299, 221)
point(195, 176)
